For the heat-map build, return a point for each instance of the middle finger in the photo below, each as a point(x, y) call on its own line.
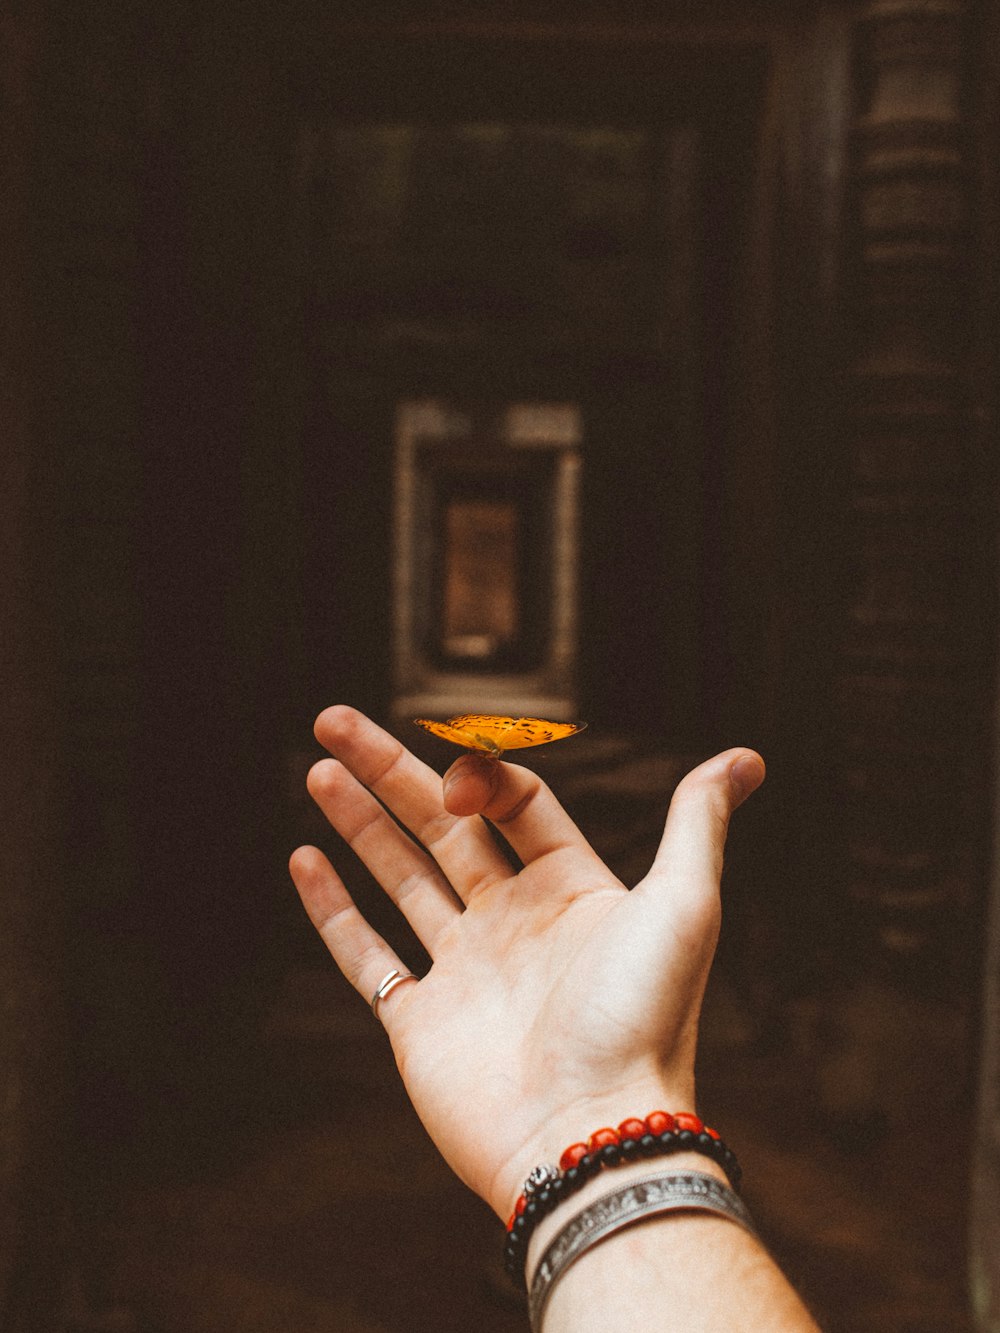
point(462, 846)
point(404, 870)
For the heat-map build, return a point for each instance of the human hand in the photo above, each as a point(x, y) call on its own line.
point(557, 1001)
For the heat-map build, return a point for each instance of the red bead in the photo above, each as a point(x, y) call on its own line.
point(658, 1122)
point(685, 1120)
point(632, 1128)
point(601, 1138)
point(712, 1133)
point(510, 1221)
point(572, 1155)
point(520, 1206)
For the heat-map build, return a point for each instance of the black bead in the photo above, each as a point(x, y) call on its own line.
point(543, 1202)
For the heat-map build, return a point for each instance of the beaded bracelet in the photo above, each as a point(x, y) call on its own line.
point(659, 1134)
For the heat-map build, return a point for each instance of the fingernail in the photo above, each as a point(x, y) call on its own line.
point(459, 770)
point(746, 775)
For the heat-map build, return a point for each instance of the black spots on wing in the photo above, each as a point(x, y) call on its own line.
point(493, 733)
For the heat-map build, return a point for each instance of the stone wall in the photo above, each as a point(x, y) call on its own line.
point(143, 475)
point(71, 455)
point(31, 1083)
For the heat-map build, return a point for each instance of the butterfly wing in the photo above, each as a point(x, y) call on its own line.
point(453, 731)
point(526, 731)
point(498, 733)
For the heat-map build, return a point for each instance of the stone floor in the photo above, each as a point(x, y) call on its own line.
point(328, 1211)
point(324, 1208)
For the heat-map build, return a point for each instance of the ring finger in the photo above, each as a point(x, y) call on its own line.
point(406, 873)
point(360, 952)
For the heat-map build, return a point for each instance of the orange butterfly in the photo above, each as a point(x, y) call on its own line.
point(491, 734)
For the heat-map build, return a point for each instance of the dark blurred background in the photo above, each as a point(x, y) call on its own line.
point(689, 313)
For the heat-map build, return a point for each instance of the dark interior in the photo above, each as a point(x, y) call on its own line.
point(755, 247)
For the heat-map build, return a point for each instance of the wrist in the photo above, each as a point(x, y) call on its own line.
point(671, 1243)
point(666, 1142)
point(605, 1183)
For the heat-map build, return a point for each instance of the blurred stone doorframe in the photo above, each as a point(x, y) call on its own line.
point(486, 558)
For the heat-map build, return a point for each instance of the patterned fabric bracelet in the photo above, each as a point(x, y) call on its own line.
point(659, 1134)
point(652, 1196)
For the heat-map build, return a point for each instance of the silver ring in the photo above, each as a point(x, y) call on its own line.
point(388, 982)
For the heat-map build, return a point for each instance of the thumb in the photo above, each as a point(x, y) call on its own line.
point(470, 784)
point(691, 850)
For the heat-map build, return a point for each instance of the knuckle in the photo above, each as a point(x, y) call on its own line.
point(515, 796)
point(434, 831)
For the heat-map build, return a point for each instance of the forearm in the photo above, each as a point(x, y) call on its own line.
point(689, 1272)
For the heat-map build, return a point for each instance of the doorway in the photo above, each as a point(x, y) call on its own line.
point(531, 221)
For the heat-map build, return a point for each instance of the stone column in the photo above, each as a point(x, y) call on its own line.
point(914, 686)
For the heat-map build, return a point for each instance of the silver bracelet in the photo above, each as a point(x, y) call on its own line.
point(640, 1199)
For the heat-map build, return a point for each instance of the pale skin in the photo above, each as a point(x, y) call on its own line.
point(557, 1001)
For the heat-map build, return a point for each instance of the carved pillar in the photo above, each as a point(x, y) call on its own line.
point(914, 664)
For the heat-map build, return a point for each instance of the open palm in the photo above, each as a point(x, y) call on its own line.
point(556, 1000)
